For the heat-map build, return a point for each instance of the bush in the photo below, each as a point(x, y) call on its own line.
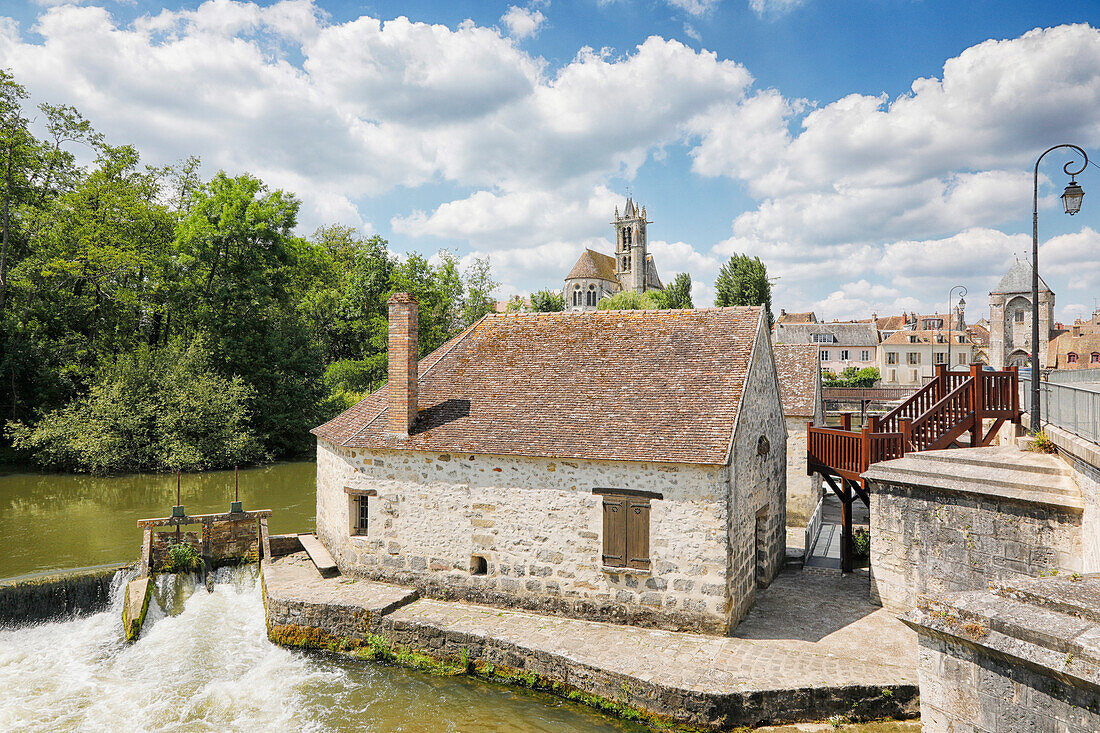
point(1041, 443)
point(861, 543)
point(851, 377)
point(630, 300)
point(150, 410)
point(182, 558)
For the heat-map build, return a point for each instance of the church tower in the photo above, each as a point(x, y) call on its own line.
point(631, 252)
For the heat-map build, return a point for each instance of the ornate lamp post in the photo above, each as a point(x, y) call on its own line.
point(1071, 200)
point(962, 302)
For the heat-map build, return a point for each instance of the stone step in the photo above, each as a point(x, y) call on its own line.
point(997, 457)
point(321, 558)
point(1055, 491)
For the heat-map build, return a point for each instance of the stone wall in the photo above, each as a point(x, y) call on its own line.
point(928, 541)
point(56, 595)
point(538, 526)
point(229, 542)
point(803, 492)
point(962, 689)
point(758, 484)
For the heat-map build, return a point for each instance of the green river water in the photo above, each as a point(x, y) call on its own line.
point(203, 662)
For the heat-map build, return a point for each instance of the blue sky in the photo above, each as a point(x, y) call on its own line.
point(872, 152)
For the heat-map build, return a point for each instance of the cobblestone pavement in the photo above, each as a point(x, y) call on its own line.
point(805, 630)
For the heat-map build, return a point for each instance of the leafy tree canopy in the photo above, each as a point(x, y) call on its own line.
point(743, 280)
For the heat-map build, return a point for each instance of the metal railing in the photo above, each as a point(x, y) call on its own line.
point(1074, 408)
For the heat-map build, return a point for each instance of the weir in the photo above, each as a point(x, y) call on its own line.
point(230, 538)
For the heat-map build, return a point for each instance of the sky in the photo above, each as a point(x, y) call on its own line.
point(873, 153)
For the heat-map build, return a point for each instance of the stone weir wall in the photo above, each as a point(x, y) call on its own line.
point(44, 597)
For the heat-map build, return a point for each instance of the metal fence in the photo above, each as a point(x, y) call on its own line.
point(1074, 408)
point(1074, 376)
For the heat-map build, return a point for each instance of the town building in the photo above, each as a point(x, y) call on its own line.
point(840, 344)
point(625, 466)
point(910, 357)
point(803, 402)
point(1010, 308)
point(597, 275)
point(1076, 347)
point(788, 318)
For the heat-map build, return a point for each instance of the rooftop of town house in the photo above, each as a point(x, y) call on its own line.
point(927, 337)
point(799, 370)
point(1083, 345)
point(841, 333)
point(807, 317)
point(1018, 280)
point(889, 323)
point(978, 334)
point(595, 265)
point(662, 386)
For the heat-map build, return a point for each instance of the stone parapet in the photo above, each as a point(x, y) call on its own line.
point(1021, 656)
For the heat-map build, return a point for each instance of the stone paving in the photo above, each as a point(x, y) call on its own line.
point(805, 631)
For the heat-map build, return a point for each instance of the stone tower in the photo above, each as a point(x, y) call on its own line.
point(1010, 319)
point(631, 252)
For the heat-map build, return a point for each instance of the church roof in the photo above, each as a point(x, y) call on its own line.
point(594, 265)
point(1018, 280)
point(660, 386)
point(630, 212)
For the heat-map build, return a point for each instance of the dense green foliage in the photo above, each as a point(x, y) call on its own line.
point(546, 301)
point(743, 280)
point(851, 377)
point(678, 293)
point(151, 319)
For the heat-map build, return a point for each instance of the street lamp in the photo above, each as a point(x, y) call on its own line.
point(1071, 200)
point(962, 302)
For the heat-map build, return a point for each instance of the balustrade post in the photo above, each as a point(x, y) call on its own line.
point(873, 422)
point(906, 425)
point(865, 449)
point(941, 380)
point(846, 421)
point(977, 397)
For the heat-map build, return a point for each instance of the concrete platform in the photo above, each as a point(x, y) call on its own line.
point(811, 647)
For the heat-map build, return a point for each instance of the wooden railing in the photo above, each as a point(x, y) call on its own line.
point(933, 417)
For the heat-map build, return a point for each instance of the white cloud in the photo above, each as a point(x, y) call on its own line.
point(522, 22)
point(693, 7)
point(774, 7)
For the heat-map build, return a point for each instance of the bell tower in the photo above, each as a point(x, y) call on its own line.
point(630, 247)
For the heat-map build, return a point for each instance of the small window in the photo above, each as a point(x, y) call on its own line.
point(1019, 317)
point(844, 355)
point(940, 357)
point(825, 355)
point(1094, 358)
point(865, 356)
point(360, 504)
point(1071, 358)
point(914, 357)
point(891, 357)
point(626, 532)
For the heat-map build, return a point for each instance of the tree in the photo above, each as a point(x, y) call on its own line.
point(547, 301)
point(631, 300)
point(679, 291)
point(479, 285)
point(743, 280)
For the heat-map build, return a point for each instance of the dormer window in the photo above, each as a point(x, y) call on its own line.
point(1094, 358)
point(823, 338)
point(1071, 358)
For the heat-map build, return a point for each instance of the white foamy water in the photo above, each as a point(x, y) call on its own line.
point(203, 663)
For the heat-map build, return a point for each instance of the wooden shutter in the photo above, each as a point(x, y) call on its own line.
point(614, 531)
point(637, 533)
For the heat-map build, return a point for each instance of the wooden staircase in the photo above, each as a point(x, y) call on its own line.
point(937, 416)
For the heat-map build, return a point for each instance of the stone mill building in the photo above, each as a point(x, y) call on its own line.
point(597, 275)
point(625, 466)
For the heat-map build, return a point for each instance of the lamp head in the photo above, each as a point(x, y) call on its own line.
point(1072, 196)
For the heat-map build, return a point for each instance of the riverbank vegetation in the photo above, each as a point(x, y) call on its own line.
point(151, 319)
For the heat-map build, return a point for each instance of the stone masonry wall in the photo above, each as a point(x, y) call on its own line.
point(758, 485)
point(926, 541)
point(539, 528)
point(803, 492)
point(962, 689)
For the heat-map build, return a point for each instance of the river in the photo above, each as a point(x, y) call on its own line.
point(204, 663)
point(59, 521)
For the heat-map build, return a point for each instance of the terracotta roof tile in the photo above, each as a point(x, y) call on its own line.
point(807, 317)
point(659, 386)
point(799, 374)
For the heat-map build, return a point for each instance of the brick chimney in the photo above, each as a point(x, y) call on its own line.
point(403, 363)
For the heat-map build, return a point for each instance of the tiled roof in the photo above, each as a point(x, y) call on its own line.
point(890, 323)
point(659, 386)
point(799, 374)
point(1083, 345)
point(925, 337)
point(807, 317)
point(978, 334)
point(847, 334)
point(593, 264)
